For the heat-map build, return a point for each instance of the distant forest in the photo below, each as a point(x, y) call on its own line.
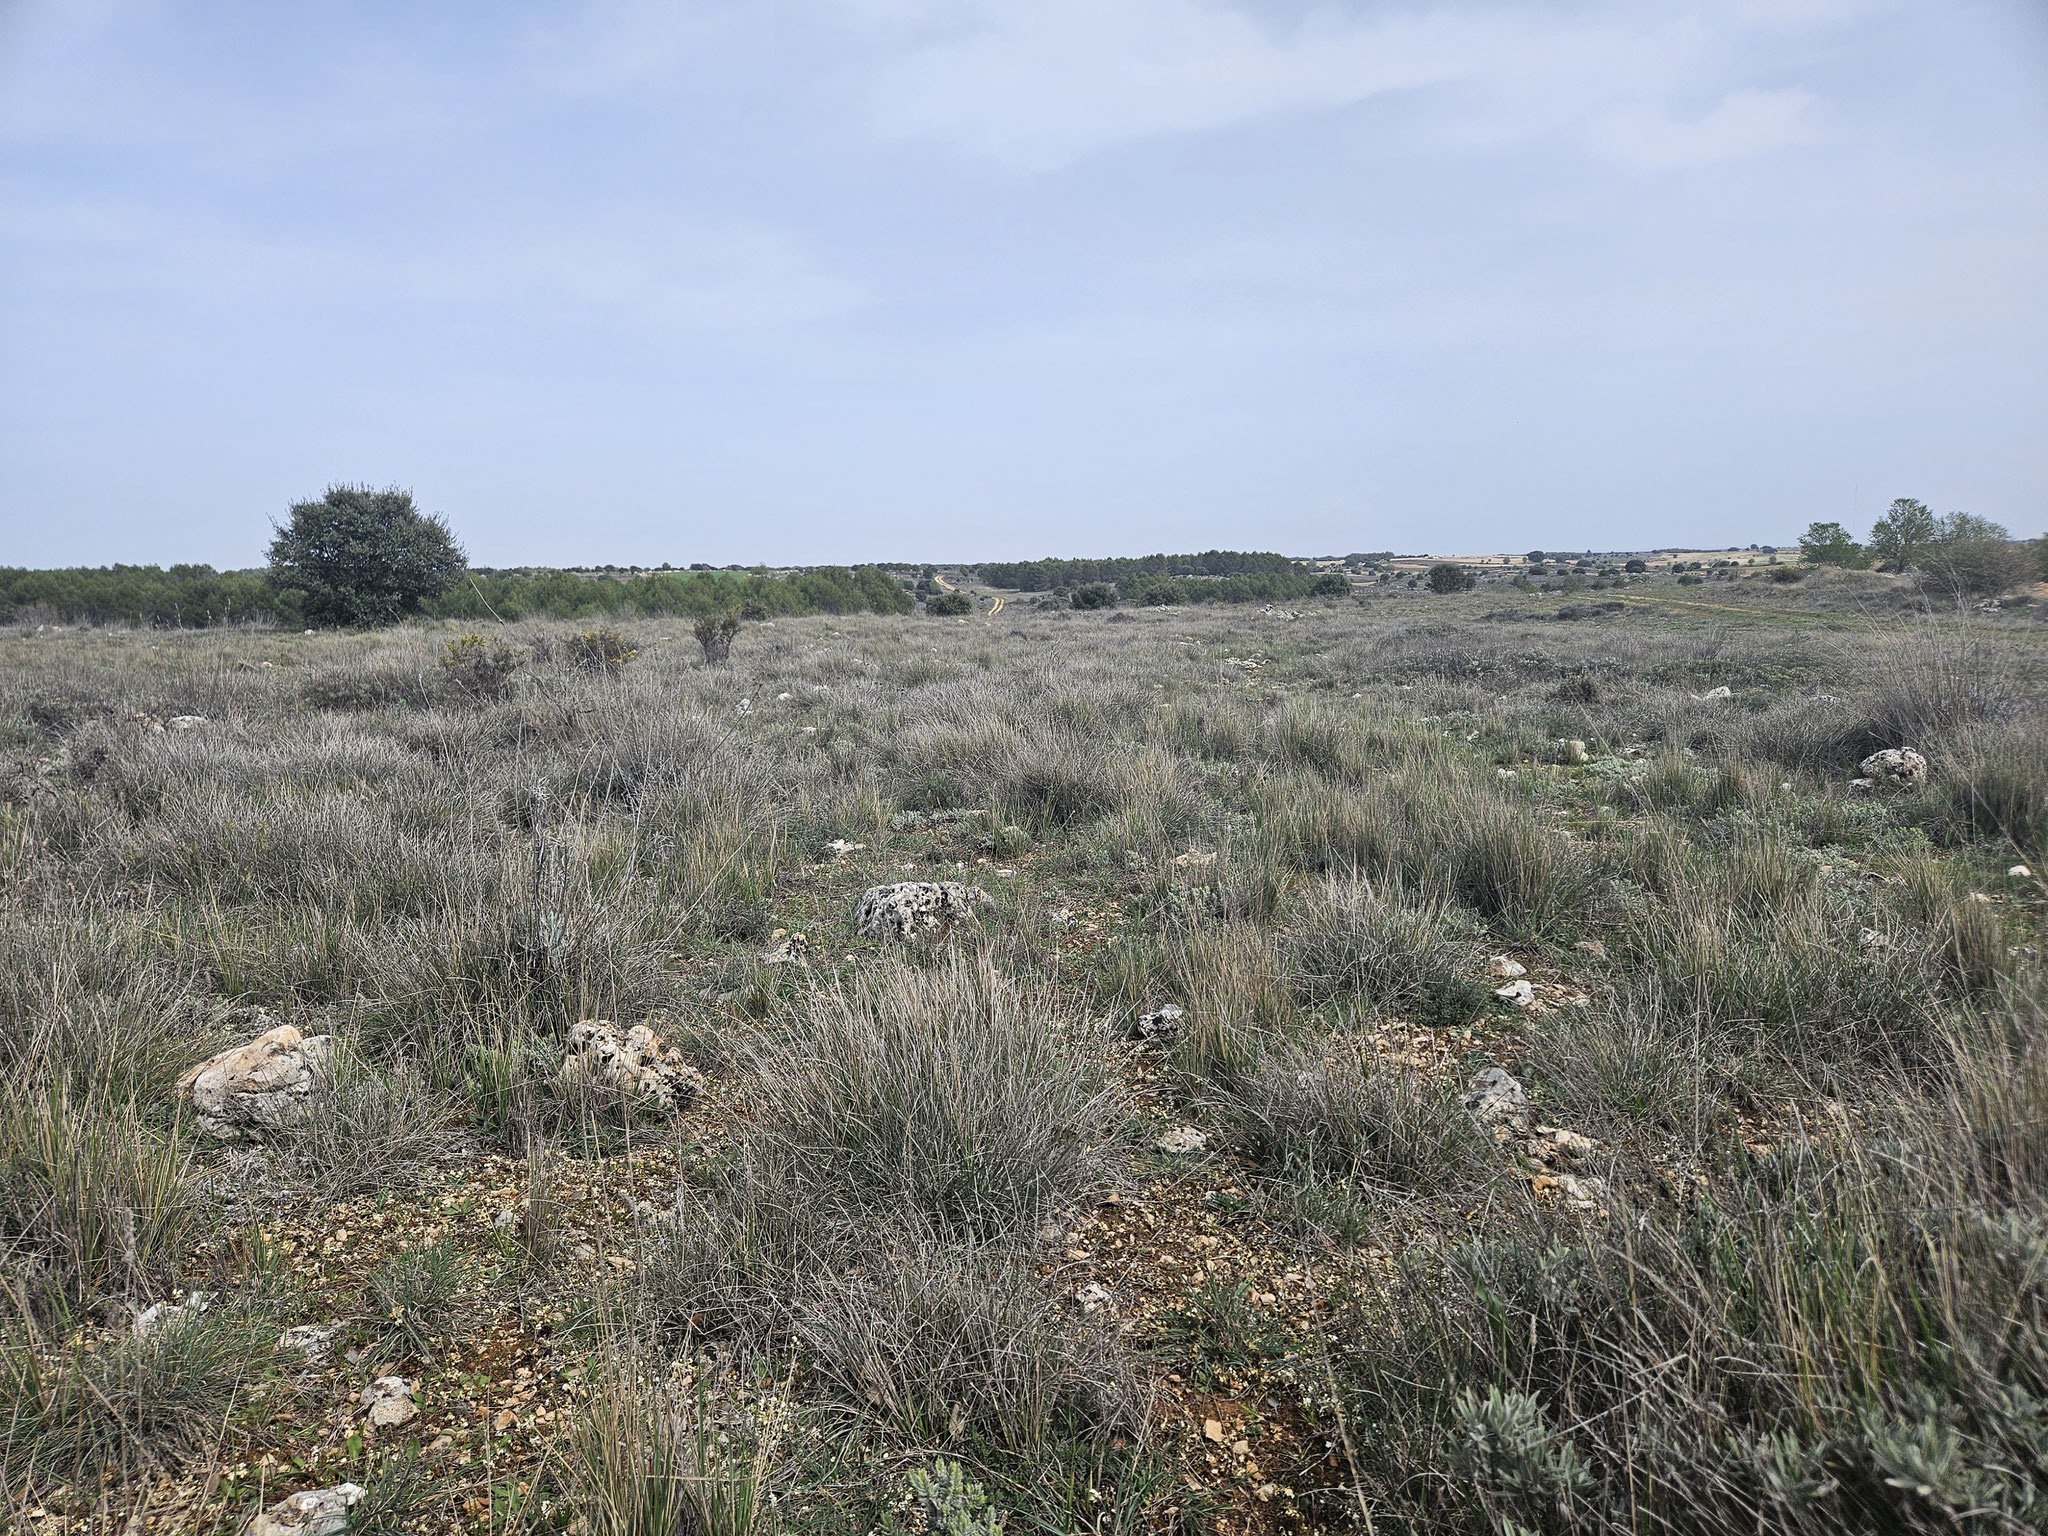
point(1046, 575)
point(198, 595)
point(195, 596)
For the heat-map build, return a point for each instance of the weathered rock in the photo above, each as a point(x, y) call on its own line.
point(1895, 768)
point(1497, 1098)
point(787, 949)
point(1573, 753)
point(1520, 993)
point(1505, 967)
point(1093, 1296)
point(840, 847)
point(915, 909)
point(629, 1061)
point(1194, 858)
point(1591, 947)
point(1552, 1143)
point(186, 722)
point(1714, 694)
point(388, 1402)
point(170, 1314)
point(316, 1512)
point(1582, 1192)
point(311, 1341)
point(255, 1089)
point(2020, 872)
point(1161, 1023)
point(1183, 1139)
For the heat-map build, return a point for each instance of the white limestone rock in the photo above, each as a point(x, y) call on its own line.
point(916, 909)
point(246, 1093)
point(632, 1062)
point(316, 1512)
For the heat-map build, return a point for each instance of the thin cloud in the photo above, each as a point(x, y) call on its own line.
point(1037, 84)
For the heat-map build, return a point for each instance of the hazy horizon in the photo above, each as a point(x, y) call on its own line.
point(847, 280)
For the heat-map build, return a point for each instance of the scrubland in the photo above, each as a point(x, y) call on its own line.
point(916, 1259)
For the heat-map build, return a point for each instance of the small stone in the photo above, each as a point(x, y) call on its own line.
point(186, 722)
point(1520, 993)
point(1212, 1431)
point(1896, 767)
point(316, 1512)
point(1505, 967)
point(1183, 1139)
point(1591, 947)
point(388, 1402)
point(1714, 694)
point(583, 1253)
point(1163, 1023)
point(1575, 753)
point(169, 1314)
point(313, 1341)
point(788, 949)
point(1497, 1098)
point(1093, 1296)
point(2020, 872)
point(1194, 858)
point(841, 847)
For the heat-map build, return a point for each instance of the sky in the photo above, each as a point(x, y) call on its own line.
point(804, 281)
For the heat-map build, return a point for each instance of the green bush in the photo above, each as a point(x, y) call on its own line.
point(358, 556)
point(947, 605)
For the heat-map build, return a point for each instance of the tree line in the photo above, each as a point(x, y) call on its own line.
point(1970, 555)
point(1128, 573)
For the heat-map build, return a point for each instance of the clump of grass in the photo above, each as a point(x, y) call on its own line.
point(1520, 877)
point(944, 1341)
point(1835, 1335)
point(652, 1458)
point(942, 1091)
point(1329, 1109)
point(413, 1298)
point(1386, 949)
point(128, 1405)
point(368, 1130)
point(94, 1201)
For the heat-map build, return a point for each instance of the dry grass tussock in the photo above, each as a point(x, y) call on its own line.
point(919, 1256)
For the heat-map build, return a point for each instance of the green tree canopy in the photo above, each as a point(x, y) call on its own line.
point(361, 556)
point(1900, 538)
point(1446, 577)
point(1830, 544)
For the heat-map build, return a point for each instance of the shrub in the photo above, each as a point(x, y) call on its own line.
point(1445, 578)
point(600, 650)
point(1094, 594)
point(947, 605)
point(480, 668)
point(359, 556)
point(1329, 584)
point(715, 632)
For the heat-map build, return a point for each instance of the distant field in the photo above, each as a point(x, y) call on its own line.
point(1468, 1064)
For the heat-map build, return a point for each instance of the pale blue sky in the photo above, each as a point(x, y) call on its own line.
point(810, 280)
